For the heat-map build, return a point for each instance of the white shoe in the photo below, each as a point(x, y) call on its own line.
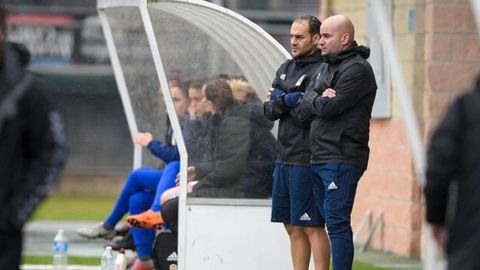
point(96, 232)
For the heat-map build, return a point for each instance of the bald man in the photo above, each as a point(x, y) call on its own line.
point(339, 101)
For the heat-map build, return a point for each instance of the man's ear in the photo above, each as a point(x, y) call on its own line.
point(345, 38)
point(316, 38)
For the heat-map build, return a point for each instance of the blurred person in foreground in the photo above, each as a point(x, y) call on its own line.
point(454, 161)
point(293, 201)
point(32, 146)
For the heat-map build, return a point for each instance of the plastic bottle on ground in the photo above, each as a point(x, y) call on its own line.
point(107, 261)
point(60, 250)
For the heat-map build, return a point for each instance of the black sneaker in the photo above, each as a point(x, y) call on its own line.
point(124, 242)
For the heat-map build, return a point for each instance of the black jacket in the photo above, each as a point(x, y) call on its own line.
point(261, 157)
point(340, 126)
point(292, 139)
point(454, 157)
point(228, 171)
point(31, 142)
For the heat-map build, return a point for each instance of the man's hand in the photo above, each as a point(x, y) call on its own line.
point(269, 95)
point(274, 93)
point(438, 233)
point(143, 138)
point(329, 93)
point(191, 175)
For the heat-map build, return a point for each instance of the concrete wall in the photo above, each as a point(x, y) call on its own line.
point(440, 55)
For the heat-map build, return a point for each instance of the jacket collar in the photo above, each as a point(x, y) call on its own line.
point(363, 51)
point(312, 58)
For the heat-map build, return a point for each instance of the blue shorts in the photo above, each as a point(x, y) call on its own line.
point(293, 198)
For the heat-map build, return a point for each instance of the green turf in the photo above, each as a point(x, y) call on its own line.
point(357, 265)
point(74, 208)
point(71, 260)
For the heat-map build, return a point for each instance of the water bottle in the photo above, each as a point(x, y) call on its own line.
point(107, 262)
point(60, 249)
point(121, 261)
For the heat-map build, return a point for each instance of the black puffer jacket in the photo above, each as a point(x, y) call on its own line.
point(339, 131)
point(224, 173)
point(31, 142)
point(292, 141)
point(241, 156)
point(454, 157)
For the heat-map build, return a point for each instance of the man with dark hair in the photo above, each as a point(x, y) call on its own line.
point(293, 198)
point(339, 101)
point(31, 146)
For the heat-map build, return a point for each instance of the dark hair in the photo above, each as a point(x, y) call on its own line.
point(218, 91)
point(174, 83)
point(196, 83)
point(313, 23)
point(179, 84)
point(221, 76)
point(3, 19)
point(238, 77)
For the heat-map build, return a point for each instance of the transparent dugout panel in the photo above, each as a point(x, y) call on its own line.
point(187, 51)
point(232, 148)
point(228, 140)
point(141, 79)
